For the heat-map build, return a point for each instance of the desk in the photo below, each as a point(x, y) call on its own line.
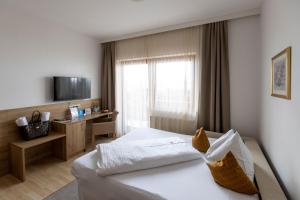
point(85, 118)
point(17, 151)
point(77, 132)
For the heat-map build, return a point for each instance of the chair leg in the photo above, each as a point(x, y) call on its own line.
point(93, 140)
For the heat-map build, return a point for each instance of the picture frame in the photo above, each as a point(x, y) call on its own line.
point(281, 74)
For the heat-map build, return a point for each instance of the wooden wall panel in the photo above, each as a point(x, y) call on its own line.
point(9, 131)
point(4, 154)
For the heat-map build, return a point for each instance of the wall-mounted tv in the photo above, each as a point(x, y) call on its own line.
point(71, 88)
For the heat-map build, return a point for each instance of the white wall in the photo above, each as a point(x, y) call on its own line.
point(32, 50)
point(244, 62)
point(280, 134)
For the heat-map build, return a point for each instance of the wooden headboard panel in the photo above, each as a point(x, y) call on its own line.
point(9, 131)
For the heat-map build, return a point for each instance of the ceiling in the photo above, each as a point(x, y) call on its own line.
point(111, 19)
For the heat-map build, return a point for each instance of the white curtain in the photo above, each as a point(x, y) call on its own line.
point(132, 95)
point(157, 81)
point(173, 94)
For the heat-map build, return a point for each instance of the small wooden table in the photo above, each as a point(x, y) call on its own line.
point(17, 151)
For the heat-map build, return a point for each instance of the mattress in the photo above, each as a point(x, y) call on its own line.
point(188, 180)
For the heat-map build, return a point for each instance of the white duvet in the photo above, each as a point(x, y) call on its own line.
point(119, 157)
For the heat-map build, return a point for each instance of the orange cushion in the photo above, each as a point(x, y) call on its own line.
point(200, 140)
point(229, 174)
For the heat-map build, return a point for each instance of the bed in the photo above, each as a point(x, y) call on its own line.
point(187, 180)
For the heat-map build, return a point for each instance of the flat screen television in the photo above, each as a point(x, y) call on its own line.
point(71, 88)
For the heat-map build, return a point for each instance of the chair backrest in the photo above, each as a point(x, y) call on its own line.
point(104, 127)
point(114, 115)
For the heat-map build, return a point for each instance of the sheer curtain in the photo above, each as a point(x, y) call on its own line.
point(157, 81)
point(173, 94)
point(132, 93)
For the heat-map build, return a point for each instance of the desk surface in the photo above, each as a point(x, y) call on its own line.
point(85, 118)
point(31, 143)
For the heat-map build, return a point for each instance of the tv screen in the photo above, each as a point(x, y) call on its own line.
point(71, 88)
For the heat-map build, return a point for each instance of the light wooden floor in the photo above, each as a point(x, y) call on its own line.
point(42, 179)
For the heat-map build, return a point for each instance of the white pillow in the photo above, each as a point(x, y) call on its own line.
point(231, 141)
point(221, 139)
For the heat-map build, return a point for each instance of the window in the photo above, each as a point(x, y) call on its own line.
point(174, 81)
point(156, 88)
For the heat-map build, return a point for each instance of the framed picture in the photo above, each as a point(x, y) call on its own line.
point(281, 74)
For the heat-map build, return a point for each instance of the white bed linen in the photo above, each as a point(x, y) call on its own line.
point(188, 180)
point(121, 157)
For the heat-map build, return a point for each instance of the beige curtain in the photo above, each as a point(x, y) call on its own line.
point(108, 76)
point(167, 44)
point(214, 109)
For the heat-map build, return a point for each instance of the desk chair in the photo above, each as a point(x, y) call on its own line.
point(105, 127)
